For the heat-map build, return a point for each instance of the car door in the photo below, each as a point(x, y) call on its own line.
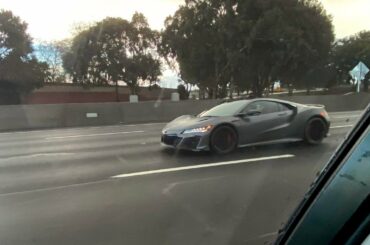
point(262, 122)
point(284, 119)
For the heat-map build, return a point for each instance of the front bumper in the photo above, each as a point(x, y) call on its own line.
point(193, 142)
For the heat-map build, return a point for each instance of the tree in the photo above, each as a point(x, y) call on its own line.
point(247, 44)
point(193, 36)
point(52, 53)
point(184, 94)
point(80, 61)
point(323, 75)
point(348, 52)
point(20, 72)
point(115, 50)
point(279, 40)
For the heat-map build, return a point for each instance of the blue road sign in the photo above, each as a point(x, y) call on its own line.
point(358, 73)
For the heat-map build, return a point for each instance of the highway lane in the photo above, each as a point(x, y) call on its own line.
point(56, 187)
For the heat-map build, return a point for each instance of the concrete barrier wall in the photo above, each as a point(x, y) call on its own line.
point(334, 102)
point(24, 117)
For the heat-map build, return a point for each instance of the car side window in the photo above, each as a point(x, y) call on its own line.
point(283, 107)
point(265, 107)
point(255, 106)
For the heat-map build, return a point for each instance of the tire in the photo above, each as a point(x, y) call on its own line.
point(315, 131)
point(223, 140)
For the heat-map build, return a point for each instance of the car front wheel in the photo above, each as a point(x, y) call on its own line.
point(223, 140)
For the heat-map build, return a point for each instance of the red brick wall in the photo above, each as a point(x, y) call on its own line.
point(72, 97)
point(89, 97)
point(56, 95)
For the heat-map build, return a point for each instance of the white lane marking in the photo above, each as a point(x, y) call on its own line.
point(53, 188)
point(152, 124)
point(111, 178)
point(207, 165)
point(171, 186)
point(267, 235)
point(135, 125)
point(92, 135)
point(343, 117)
point(69, 129)
point(342, 113)
point(38, 155)
point(342, 126)
point(262, 236)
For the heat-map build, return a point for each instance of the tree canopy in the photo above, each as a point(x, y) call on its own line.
point(247, 44)
point(220, 46)
point(348, 52)
point(20, 72)
point(51, 53)
point(183, 92)
point(114, 50)
point(193, 38)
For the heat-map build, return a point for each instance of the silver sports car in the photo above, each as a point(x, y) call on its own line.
point(247, 122)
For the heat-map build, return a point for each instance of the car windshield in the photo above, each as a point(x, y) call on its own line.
point(171, 121)
point(225, 109)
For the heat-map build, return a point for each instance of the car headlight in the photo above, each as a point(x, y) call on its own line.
point(198, 130)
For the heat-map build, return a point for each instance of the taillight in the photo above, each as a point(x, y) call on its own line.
point(324, 114)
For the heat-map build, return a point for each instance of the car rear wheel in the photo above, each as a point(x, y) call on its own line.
point(315, 131)
point(223, 140)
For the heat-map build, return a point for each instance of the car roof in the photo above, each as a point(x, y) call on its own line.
point(275, 100)
point(247, 101)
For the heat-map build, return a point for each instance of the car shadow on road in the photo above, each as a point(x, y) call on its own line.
point(183, 157)
point(184, 153)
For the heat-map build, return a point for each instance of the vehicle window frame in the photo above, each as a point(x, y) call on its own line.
point(245, 110)
point(284, 107)
point(204, 113)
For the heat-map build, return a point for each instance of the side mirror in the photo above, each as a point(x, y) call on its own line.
point(249, 113)
point(241, 115)
point(253, 113)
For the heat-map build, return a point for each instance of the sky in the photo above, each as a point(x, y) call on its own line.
point(50, 20)
point(54, 20)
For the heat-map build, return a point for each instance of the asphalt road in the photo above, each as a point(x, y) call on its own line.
point(117, 185)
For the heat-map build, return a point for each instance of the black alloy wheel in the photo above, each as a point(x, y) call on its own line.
point(223, 140)
point(315, 131)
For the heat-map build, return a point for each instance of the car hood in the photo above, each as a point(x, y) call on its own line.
point(188, 122)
